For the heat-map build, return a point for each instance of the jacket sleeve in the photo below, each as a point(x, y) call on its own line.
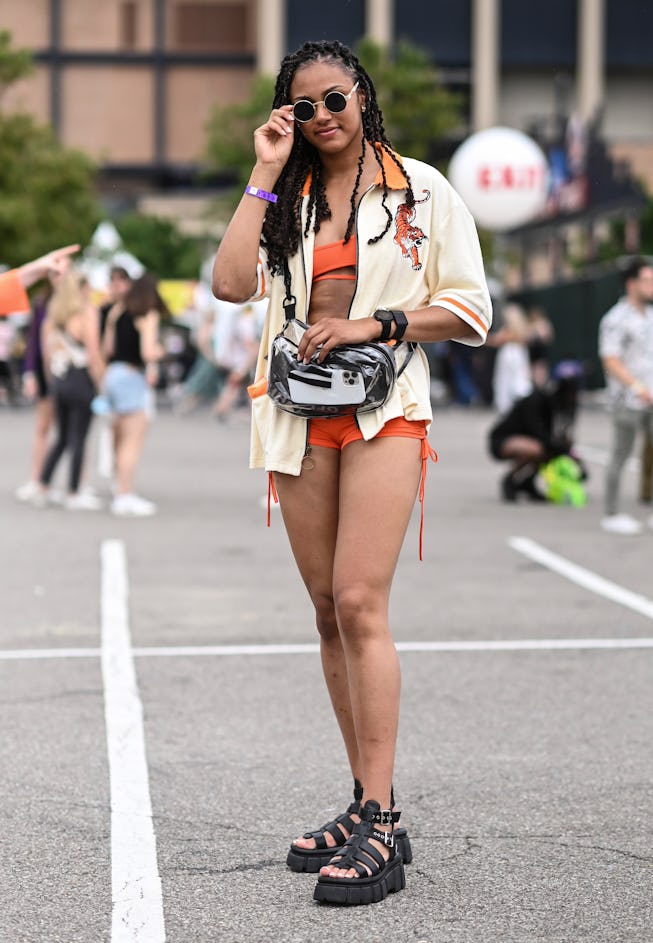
point(611, 335)
point(456, 274)
point(13, 297)
point(262, 277)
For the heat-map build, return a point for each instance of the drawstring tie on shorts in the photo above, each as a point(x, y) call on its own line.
point(426, 454)
point(272, 493)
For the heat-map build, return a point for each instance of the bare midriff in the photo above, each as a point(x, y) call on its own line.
point(334, 280)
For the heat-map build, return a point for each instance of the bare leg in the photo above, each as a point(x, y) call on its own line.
point(313, 497)
point(523, 450)
point(375, 508)
point(129, 435)
point(228, 395)
point(43, 422)
point(347, 558)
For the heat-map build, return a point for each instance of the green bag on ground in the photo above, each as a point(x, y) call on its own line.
point(563, 481)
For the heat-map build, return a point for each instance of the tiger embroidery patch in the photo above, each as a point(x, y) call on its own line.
point(408, 237)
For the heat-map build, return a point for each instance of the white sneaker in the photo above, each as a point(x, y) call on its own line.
point(27, 491)
point(622, 524)
point(82, 501)
point(89, 490)
point(131, 505)
point(40, 499)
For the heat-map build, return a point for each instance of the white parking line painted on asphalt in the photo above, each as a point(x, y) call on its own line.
point(498, 645)
point(582, 577)
point(210, 651)
point(22, 654)
point(137, 902)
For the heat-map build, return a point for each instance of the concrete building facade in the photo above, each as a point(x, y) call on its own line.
point(133, 82)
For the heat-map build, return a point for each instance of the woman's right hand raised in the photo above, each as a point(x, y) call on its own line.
point(273, 141)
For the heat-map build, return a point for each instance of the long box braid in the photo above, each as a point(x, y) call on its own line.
point(282, 225)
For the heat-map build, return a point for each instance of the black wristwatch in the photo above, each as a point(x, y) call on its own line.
point(386, 320)
point(402, 323)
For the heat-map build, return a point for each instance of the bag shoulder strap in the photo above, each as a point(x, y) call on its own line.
point(289, 302)
point(409, 356)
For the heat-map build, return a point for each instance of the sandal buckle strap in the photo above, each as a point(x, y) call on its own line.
point(387, 838)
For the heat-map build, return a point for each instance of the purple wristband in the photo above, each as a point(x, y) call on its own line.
point(261, 194)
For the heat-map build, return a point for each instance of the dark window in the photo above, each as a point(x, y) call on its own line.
point(211, 27)
point(337, 19)
point(441, 27)
point(128, 24)
point(629, 34)
point(538, 32)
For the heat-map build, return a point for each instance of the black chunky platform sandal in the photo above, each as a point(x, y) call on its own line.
point(310, 860)
point(359, 854)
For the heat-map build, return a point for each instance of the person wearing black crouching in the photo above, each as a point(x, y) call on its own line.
point(536, 429)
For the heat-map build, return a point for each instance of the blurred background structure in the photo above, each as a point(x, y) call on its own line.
point(160, 98)
point(132, 82)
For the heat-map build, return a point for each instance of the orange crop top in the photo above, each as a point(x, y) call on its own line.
point(336, 255)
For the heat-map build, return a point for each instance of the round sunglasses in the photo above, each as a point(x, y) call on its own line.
point(335, 102)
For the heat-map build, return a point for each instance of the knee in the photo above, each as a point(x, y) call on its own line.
point(325, 615)
point(357, 608)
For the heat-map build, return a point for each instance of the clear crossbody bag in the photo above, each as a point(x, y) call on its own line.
point(351, 378)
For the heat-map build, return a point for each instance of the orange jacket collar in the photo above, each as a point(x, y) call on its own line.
point(394, 177)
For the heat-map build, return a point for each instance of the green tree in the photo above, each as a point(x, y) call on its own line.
point(14, 63)
point(230, 129)
point(417, 109)
point(47, 193)
point(646, 228)
point(159, 245)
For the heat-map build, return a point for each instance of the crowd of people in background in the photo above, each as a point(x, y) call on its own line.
point(77, 355)
point(535, 425)
point(227, 340)
point(72, 359)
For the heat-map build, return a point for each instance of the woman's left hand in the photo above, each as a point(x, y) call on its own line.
point(334, 332)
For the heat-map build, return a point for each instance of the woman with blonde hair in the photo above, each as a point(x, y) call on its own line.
point(71, 348)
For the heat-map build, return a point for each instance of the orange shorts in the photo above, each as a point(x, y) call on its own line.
point(338, 432)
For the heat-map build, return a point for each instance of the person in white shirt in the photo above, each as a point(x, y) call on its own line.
point(511, 377)
point(626, 350)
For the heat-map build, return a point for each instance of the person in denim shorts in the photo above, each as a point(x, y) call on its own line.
point(131, 345)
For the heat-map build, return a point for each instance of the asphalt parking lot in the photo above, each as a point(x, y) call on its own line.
point(166, 731)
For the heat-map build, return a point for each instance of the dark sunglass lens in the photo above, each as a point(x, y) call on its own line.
point(335, 102)
point(303, 110)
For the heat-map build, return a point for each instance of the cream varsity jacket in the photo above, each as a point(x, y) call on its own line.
point(429, 256)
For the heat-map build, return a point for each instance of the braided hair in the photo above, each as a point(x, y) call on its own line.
point(282, 225)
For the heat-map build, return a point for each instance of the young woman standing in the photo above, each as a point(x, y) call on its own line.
point(377, 246)
point(131, 345)
point(71, 349)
